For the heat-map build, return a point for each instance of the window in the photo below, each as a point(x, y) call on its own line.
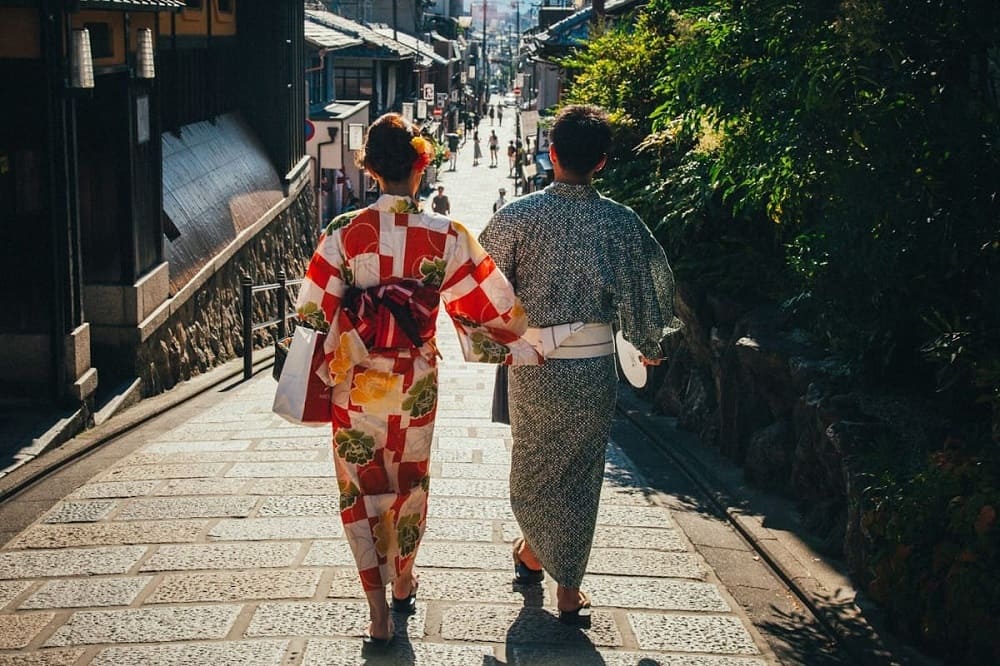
point(101, 45)
point(193, 4)
point(353, 82)
point(225, 6)
point(318, 93)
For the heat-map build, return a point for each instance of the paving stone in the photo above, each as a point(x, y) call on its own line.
point(654, 594)
point(279, 432)
point(627, 495)
point(57, 657)
point(10, 590)
point(449, 455)
point(236, 586)
point(606, 536)
point(292, 527)
point(485, 586)
point(114, 489)
point(222, 556)
point(68, 562)
point(346, 584)
point(181, 471)
point(482, 488)
point(633, 516)
point(16, 631)
point(313, 505)
point(326, 652)
point(443, 529)
point(229, 653)
point(324, 618)
point(87, 511)
point(112, 533)
point(585, 655)
point(452, 507)
point(214, 486)
point(331, 554)
point(512, 624)
point(188, 446)
point(464, 556)
point(473, 471)
point(691, 633)
point(277, 469)
point(326, 485)
point(223, 456)
point(497, 458)
point(463, 443)
point(630, 562)
point(320, 442)
point(84, 593)
point(453, 431)
point(186, 507)
point(145, 625)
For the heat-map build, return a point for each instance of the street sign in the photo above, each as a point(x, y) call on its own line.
point(429, 92)
point(310, 130)
point(517, 91)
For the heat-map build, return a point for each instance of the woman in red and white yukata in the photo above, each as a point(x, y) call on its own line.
point(375, 283)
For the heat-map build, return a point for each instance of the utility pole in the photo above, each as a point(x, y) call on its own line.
point(486, 63)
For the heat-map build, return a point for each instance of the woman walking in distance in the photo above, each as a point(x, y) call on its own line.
point(575, 256)
point(375, 283)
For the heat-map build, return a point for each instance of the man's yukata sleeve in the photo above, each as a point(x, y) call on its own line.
point(318, 307)
point(488, 316)
point(646, 288)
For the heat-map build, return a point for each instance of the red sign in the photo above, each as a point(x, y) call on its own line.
point(310, 130)
point(517, 90)
point(437, 113)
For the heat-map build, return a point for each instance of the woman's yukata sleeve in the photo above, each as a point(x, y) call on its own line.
point(646, 288)
point(488, 316)
point(318, 307)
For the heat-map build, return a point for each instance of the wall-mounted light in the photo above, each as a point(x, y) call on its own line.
point(81, 72)
point(145, 65)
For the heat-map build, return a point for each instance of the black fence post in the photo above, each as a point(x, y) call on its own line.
point(282, 305)
point(246, 288)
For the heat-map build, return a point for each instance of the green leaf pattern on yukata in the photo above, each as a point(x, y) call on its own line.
point(422, 397)
point(349, 494)
point(311, 316)
point(487, 349)
point(408, 533)
point(355, 446)
point(433, 272)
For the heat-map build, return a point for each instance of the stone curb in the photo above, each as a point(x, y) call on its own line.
point(820, 584)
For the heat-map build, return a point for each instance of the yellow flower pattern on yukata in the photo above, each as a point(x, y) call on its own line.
point(405, 205)
point(348, 352)
point(377, 391)
point(385, 533)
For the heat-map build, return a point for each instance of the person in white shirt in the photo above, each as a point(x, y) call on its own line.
point(501, 202)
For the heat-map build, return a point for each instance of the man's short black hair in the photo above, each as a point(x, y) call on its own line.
point(581, 135)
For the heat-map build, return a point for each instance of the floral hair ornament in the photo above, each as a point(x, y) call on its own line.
point(424, 150)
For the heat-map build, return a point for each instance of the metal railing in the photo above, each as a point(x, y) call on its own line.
point(247, 291)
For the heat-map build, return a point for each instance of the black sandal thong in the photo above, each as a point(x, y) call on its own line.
point(579, 617)
point(408, 605)
point(523, 574)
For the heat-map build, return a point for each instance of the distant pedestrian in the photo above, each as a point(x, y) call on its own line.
point(511, 153)
point(500, 116)
point(494, 148)
point(519, 161)
point(493, 114)
point(501, 202)
point(477, 149)
point(453, 142)
point(468, 122)
point(440, 203)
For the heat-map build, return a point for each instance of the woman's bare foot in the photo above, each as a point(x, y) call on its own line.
point(381, 627)
point(570, 598)
point(404, 585)
point(527, 556)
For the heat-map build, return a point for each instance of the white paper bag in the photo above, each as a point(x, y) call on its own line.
point(302, 397)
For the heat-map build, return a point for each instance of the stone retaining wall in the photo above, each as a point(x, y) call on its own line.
point(207, 330)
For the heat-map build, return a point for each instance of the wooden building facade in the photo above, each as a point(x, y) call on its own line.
point(86, 236)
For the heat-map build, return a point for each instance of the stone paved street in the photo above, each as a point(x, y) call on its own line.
point(210, 535)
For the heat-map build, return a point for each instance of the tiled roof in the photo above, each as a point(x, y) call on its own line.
point(421, 48)
point(329, 38)
point(134, 5)
point(575, 28)
point(358, 30)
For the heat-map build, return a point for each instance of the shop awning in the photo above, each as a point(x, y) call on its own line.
point(133, 5)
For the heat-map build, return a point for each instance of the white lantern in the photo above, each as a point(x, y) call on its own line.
point(145, 65)
point(81, 60)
